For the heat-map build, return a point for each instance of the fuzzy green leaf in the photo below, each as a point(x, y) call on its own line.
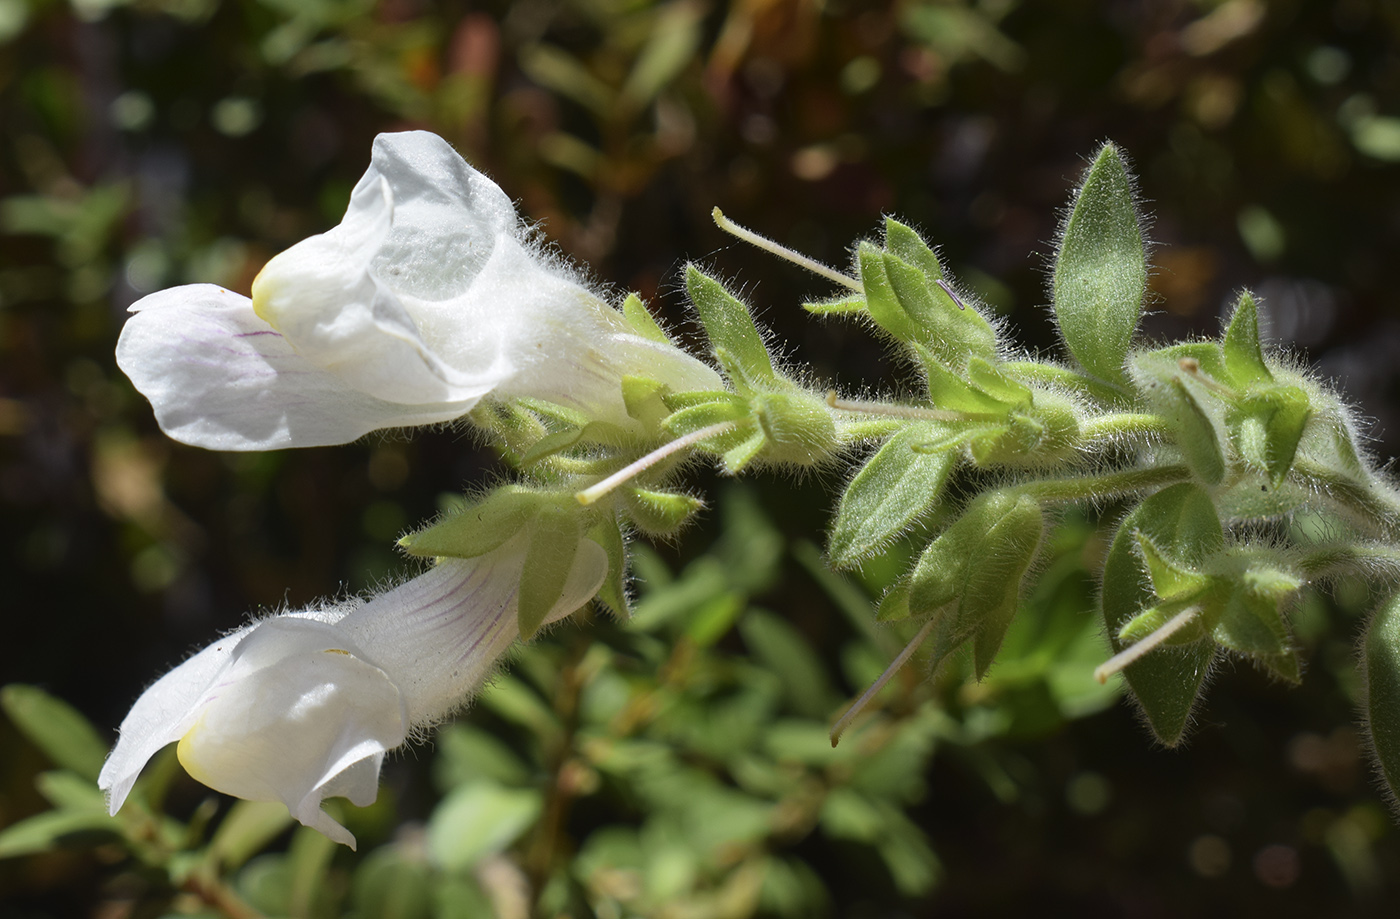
point(1101, 269)
point(895, 488)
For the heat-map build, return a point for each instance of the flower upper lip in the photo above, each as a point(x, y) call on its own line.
point(421, 302)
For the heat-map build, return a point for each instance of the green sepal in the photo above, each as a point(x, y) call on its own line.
point(613, 594)
point(660, 513)
point(549, 445)
point(993, 592)
point(894, 605)
point(737, 458)
point(645, 400)
point(993, 381)
point(1100, 274)
point(481, 526)
point(978, 562)
point(549, 557)
point(1240, 347)
point(797, 425)
point(730, 327)
point(1194, 415)
point(1170, 582)
point(1181, 523)
point(640, 319)
point(675, 401)
point(1277, 415)
point(950, 392)
point(880, 299)
point(1251, 621)
point(1156, 617)
point(1381, 657)
point(55, 727)
point(908, 245)
point(842, 306)
point(896, 487)
point(704, 414)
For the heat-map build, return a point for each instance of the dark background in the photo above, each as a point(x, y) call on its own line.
point(148, 144)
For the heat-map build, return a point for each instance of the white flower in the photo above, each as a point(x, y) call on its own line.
point(424, 300)
point(303, 706)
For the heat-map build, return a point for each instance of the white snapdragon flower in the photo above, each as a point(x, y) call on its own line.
point(303, 706)
point(425, 299)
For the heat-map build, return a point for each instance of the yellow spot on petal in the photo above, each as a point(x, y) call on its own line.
point(262, 294)
point(186, 753)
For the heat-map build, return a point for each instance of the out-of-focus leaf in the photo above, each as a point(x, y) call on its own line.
point(46, 831)
point(478, 820)
point(55, 727)
point(246, 830)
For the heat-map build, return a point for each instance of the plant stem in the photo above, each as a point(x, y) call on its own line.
point(1370, 505)
point(1123, 424)
point(1037, 372)
point(1107, 485)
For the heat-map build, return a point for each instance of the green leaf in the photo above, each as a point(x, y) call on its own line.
point(729, 325)
point(894, 605)
point(554, 541)
point(481, 527)
point(1382, 691)
point(55, 727)
point(1244, 357)
point(894, 489)
point(635, 311)
point(479, 820)
point(1101, 269)
point(948, 391)
point(1181, 523)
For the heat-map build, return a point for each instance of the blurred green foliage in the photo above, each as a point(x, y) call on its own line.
point(676, 765)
